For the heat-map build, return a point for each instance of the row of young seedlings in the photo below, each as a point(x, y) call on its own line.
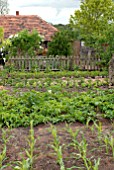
point(4, 149)
point(106, 140)
point(27, 163)
point(82, 148)
point(65, 82)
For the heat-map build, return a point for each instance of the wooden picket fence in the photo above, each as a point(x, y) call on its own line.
point(93, 63)
point(40, 63)
point(56, 63)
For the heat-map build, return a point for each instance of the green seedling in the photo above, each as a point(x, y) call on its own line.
point(25, 164)
point(3, 157)
point(82, 147)
point(83, 154)
point(99, 128)
point(74, 167)
point(3, 153)
point(57, 148)
point(96, 164)
point(92, 128)
point(88, 121)
point(106, 141)
point(31, 142)
point(73, 135)
point(111, 143)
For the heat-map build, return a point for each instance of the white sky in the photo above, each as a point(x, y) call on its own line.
point(53, 11)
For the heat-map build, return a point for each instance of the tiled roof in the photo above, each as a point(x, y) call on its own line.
point(13, 24)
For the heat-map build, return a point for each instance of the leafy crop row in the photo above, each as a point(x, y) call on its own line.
point(27, 75)
point(18, 110)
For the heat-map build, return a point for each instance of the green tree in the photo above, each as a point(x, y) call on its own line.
point(60, 44)
point(61, 26)
point(104, 44)
point(92, 18)
point(25, 43)
point(95, 19)
point(74, 34)
point(4, 7)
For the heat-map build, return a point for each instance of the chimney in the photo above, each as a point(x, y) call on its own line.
point(17, 13)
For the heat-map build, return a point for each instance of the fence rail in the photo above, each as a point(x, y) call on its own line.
point(41, 63)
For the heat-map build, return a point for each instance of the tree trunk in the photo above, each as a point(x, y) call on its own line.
point(76, 45)
point(111, 71)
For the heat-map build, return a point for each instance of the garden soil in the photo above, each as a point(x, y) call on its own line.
point(45, 157)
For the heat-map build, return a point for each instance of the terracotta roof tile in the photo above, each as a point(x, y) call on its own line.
point(13, 24)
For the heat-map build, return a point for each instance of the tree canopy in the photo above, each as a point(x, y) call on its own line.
point(74, 34)
point(60, 44)
point(93, 17)
point(95, 20)
point(25, 43)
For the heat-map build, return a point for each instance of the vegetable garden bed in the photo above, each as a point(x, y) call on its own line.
point(80, 105)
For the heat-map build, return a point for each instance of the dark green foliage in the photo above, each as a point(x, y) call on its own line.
point(95, 20)
point(93, 17)
point(74, 34)
point(105, 43)
point(25, 44)
point(54, 99)
point(60, 44)
point(19, 110)
point(62, 40)
point(61, 27)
